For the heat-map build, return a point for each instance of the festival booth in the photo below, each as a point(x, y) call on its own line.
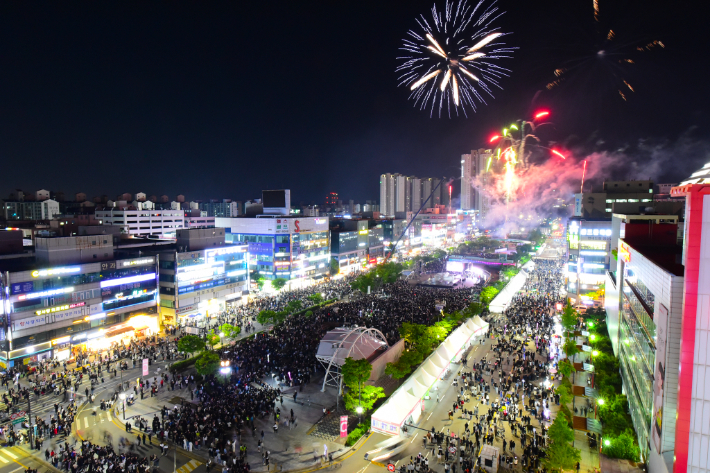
point(407, 403)
point(504, 297)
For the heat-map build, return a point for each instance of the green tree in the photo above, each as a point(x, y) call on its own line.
point(566, 368)
point(334, 267)
point(473, 309)
point(560, 455)
point(565, 394)
point(355, 372)
point(293, 306)
point(366, 398)
point(230, 331)
point(260, 281)
point(279, 283)
point(623, 446)
point(398, 370)
point(207, 363)
point(265, 317)
point(212, 338)
point(309, 314)
point(316, 298)
point(190, 344)
point(570, 348)
point(488, 294)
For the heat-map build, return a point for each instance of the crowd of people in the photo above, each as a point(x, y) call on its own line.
point(511, 400)
point(504, 397)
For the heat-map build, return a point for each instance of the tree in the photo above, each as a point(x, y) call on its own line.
point(569, 318)
point(261, 280)
point(316, 298)
point(266, 317)
point(398, 370)
point(309, 314)
point(566, 368)
point(212, 338)
point(565, 394)
point(190, 344)
point(473, 309)
point(623, 446)
point(207, 363)
point(334, 267)
point(230, 331)
point(293, 306)
point(278, 283)
point(570, 348)
point(355, 372)
point(368, 395)
point(561, 455)
point(488, 294)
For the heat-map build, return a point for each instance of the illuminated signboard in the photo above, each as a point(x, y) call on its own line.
point(41, 273)
point(128, 280)
point(51, 292)
point(59, 341)
point(624, 253)
point(363, 232)
point(58, 308)
point(137, 262)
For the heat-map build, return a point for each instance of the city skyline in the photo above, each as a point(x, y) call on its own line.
point(102, 92)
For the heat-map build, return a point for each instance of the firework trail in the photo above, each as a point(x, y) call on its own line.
point(606, 49)
point(450, 60)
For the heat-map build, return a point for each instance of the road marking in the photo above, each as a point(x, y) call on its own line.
point(86, 423)
point(108, 414)
point(10, 454)
point(415, 436)
point(189, 466)
point(2, 459)
point(430, 415)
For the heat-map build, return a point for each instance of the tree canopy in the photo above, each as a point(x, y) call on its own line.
point(230, 331)
point(488, 294)
point(279, 283)
point(207, 363)
point(190, 344)
point(561, 455)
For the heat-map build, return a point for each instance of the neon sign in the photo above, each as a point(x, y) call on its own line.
point(51, 310)
point(51, 292)
point(41, 273)
point(137, 262)
point(624, 253)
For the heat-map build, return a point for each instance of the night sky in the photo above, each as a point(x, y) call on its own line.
point(223, 99)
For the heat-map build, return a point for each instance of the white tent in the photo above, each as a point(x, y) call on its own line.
point(504, 297)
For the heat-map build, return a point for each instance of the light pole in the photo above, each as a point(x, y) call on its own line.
point(123, 400)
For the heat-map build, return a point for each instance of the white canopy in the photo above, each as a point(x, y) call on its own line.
point(504, 297)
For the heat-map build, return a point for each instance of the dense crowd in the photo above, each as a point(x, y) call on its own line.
point(504, 398)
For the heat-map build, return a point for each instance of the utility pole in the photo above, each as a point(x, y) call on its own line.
point(29, 418)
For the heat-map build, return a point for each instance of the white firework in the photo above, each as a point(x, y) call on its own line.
point(452, 64)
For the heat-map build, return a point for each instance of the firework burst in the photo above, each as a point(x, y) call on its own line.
point(450, 60)
point(605, 53)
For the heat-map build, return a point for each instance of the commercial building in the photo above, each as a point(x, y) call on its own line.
point(354, 244)
point(637, 194)
point(661, 303)
point(41, 210)
point(197, 284)
point(57, 311)
point(644, 314)
point(144, 223)
point(294, 248)
point(474, 167)
point(588, 254)
point(221, 209)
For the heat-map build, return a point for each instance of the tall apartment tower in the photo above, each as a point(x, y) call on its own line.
point(468, 194)
point(403, 194)
point(387, 194)
point(416, 194)
point(474, 177)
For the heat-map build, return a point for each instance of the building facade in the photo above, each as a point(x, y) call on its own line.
point(144, 223)
point(294, 248)
point(59, 311)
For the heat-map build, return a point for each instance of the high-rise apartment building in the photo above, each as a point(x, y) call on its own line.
point(403, 194)
point(387, 192)
point(416, 194)
point(473, 180)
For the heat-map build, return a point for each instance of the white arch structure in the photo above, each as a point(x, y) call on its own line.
point(346, 342)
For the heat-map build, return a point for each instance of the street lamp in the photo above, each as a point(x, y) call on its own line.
point(123, 400)
point(225, 369)
point(595, 353)
point(607, 442)
point(359, 409)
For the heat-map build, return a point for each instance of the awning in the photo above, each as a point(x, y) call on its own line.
point(119, 331)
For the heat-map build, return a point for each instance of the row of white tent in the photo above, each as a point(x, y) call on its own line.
point(504, 297)
point(407, 400)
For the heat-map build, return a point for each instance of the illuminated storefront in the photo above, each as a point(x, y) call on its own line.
point(588, 255)
point(45, 310)
point(197, 284)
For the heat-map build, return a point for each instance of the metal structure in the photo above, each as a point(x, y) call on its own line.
point(347, 342)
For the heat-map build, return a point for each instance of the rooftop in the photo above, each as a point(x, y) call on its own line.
point(668, 257)
point(701, 176)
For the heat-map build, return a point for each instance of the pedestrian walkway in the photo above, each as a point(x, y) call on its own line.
point(189, 466)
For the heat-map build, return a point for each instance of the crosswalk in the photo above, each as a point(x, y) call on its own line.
point(100, 417)
point(189, 466)
point(6, 456)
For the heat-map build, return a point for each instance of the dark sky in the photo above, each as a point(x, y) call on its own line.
point(223, 99)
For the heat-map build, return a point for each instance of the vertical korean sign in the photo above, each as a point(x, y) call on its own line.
point(145, 367)
point(343, 426)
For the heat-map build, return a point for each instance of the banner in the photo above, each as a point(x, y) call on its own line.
point(145, 367)
point(343, 426)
